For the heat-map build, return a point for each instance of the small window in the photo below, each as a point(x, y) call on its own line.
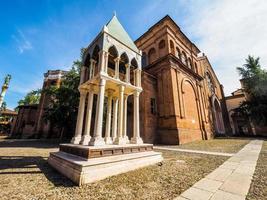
point(162, 44)
point(153, 106)
point(183, 58)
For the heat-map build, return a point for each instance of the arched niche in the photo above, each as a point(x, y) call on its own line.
point(190, 104)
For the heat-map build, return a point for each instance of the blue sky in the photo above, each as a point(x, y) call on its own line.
point(36, 36)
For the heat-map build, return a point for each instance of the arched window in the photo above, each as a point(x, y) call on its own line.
point(190, 63)
point(178, 53)
point(162, 44)
point(95, 57)
point(172, 47)
point(210, 83)
point(196, 70)
point(183, 58)
point(144, 59)
point(151, 55)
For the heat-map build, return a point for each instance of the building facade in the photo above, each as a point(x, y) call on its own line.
point(241, 124)
point(30, 122)
point(182, 98)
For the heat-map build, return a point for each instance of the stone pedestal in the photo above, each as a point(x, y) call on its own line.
point(86, 164)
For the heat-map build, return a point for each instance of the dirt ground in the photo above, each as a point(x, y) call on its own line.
point(258, 187)
point(25, 174)
point(225, 145)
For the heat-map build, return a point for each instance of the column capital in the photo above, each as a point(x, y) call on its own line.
point(127, 65)
point(136, 93)
point(92, 60)
point(110, 92)
point(117, 59)
point(83, 91)
point(121, 88)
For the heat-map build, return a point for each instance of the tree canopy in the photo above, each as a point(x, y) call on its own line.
point(254, 81)
point(64, 100)
point(32, 97)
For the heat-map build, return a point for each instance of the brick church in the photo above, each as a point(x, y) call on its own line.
point(182, 99)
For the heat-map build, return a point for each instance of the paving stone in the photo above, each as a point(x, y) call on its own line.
point(220, 174)
point(237, 184)
point(222, 195)
point(230, 165)
point(196, 194)
point(180, 198)
point(230, 181)
point(208, 184)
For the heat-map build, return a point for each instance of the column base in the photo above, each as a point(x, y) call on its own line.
point(76, 140)
point(85, 140)
point(136, 140)
point(108, 140)
point(127, 139)
point(120, 141)
point(97, 141)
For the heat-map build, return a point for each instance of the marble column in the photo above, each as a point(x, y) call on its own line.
point(106, 61)
point(108, 118)
point(86, 137)
point(102, 61)
point(92, 68)
point(79, 123)
point(115, 118)
point(97, 139)
point(82, 76)
point(117, 66)
point(127, 75)
point(136, 139)
point(120, 139)
point(124, 135)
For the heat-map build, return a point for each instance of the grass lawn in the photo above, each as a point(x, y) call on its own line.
point(225, 145)
point(25, 174)
point(258, 187)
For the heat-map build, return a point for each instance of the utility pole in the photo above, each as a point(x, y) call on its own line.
point(4, 89)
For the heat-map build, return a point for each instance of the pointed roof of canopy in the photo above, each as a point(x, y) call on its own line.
point(116, 30)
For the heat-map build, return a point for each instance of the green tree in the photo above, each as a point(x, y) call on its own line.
point(64, 100)
point(32, 97)
point(254, 80)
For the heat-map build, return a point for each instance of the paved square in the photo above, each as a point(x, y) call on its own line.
point(230, 181)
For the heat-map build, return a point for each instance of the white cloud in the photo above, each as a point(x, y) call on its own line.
point(22, 42)
point(227, 32)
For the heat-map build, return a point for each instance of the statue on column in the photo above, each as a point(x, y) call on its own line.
point(4, 88)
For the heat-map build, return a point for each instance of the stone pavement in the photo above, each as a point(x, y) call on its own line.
point(193, 151)
point(231, 180)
